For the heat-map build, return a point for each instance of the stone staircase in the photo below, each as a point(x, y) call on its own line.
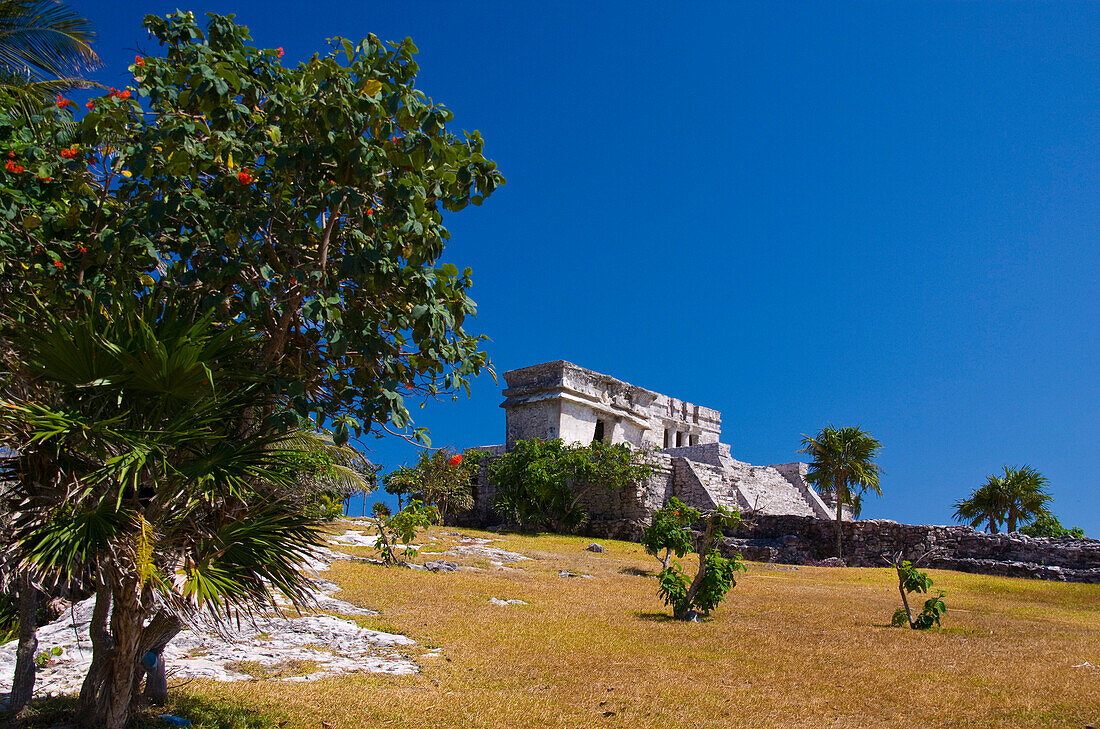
point(763, 490)
point(716, 479)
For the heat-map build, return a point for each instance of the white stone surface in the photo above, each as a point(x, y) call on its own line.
point(333, 644)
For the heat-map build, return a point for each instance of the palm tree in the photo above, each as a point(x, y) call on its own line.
point(988, 503)
point(142, 478)
point(843, 467)
point(44, 46)
point(1017, 496)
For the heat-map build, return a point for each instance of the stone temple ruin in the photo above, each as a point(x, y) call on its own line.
point(561, 400)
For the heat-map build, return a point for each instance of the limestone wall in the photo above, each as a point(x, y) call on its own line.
point(797, 540)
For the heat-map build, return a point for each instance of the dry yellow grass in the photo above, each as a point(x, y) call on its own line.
point(790, 648)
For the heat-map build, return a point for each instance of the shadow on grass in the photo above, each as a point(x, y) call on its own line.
point(635, 572)
point(656, 617)
point(59, 712)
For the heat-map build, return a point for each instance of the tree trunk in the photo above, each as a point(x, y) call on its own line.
point(160, 631)
point(92, 688)
point(904, 599)
point(839, 525)
point(681, 611)
point(126, 620)
point(992, 526)
point(22, 687)
point(1012, 518)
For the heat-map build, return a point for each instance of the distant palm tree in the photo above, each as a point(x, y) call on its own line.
point(44, 47)
point(843, 467)
point(988, 503)
point(1017, 496)
point(1027, 493)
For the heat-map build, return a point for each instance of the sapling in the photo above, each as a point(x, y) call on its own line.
point(670, 531)
point(911, 580)
point(402, 528)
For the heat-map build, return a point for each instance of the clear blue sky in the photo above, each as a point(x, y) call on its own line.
point(881, 214)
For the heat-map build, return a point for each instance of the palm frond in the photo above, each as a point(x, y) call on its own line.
point(44, 39)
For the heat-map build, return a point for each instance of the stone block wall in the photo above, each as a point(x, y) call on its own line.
point(798, 540)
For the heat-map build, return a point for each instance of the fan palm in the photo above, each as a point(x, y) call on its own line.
point(1028, 497)
point(44, 47)
point(988, 504)
point(843, 467)
point(1019, 495)
point(145, 478)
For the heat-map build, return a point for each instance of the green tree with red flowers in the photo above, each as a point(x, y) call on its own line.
point(303, 205)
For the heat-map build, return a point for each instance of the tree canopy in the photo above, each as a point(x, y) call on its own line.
point(307, 200)
point(1016, 496)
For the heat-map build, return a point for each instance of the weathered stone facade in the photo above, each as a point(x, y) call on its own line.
point(561, 400)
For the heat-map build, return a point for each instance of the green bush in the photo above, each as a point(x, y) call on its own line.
point(541, 484)
point(402, 528)
point(670, 531)
point(1047, 525)
point(442, 478)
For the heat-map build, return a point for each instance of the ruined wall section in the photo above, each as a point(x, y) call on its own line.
point(802, 540)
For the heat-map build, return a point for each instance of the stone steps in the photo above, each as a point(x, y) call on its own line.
point(764, 490)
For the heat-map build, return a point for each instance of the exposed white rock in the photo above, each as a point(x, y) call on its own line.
point(494, 554)
point(274, 643)
point(498, 601)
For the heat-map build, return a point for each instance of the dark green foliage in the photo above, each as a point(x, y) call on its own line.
point(910, 580)
point(719, 575)
point(673, 587)
point(1048, 525)
point(541, 484)
point(670, 531)
point(306, 201)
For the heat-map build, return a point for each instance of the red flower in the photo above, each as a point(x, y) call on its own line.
point(58, 264)
point(11, 154)
point(139, 61)
point(455, 460)
point(395, 139)
point(62, 102)
point(69, 153)
point(90, 105)
point(82, 249)
point(244, 177)
point(370, 211)
point(280, 50)
point(45, 179)
point(12, 167)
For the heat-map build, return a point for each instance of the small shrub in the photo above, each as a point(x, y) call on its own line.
point(910, 580)
point(402, 528)
point(441, 478)
point(1047, 525)
point(670, 531)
